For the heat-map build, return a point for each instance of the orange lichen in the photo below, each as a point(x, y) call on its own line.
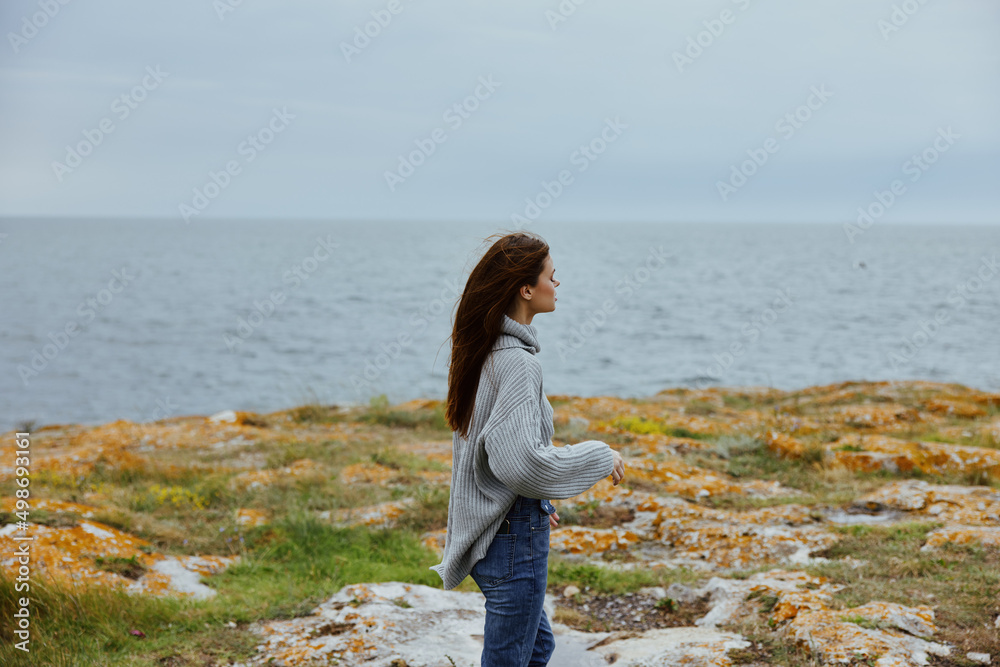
point(782, 444)
point(251, 517)
point(875, 416)
point(88, 552)
point(259, 478)
point(838, 638)
point(435, 540)
point(382, 475)
point(671, 475)
point(368, 473)
point(880, 452)
point(954, 408)
point(967, 505)
point(581, 540)
point(802, 615)
point(418, 404)
point(72, 450)
point(988, 536)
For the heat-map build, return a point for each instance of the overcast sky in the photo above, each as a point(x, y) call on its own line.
point(669, 124)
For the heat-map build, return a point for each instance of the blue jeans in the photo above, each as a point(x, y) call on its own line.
point(513, 576)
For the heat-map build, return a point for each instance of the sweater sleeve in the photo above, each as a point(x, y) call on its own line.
point(521, 461)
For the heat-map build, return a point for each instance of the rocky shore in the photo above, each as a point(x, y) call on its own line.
point(855, 523)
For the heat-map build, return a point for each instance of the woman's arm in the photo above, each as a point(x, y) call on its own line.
point(516, 454)
point(535, 469)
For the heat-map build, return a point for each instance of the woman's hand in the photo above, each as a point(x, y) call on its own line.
point(618, 474)
point(554, 519)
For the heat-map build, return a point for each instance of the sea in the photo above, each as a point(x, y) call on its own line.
point(143, 319)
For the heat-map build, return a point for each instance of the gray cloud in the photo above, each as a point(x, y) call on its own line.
point(353, 119)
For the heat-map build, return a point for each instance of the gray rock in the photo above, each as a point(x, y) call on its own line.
point(681, 593)
point(379, 624)
point(658, 592)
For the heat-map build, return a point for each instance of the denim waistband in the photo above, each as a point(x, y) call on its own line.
point(523, 505)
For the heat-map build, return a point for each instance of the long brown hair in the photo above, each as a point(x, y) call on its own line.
point(515, 259)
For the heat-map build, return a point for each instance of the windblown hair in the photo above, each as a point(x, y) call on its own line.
point(515, 259)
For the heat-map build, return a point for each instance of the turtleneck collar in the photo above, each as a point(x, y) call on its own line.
point(515, 334)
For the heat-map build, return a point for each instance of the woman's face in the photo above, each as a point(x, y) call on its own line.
point(543, 295)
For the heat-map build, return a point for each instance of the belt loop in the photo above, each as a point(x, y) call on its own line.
point(517, 504)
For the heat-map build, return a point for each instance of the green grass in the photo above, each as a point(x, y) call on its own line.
point(739, 401)
point(866, 622)
point(607, 581)
point(287, 569)
point(380, 412)
point(960, 582)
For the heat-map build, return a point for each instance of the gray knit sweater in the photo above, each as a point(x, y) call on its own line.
point(509, 451)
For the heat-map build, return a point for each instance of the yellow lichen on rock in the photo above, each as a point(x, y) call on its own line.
point(988, 536)
point(879, 452)
point(890, 633)
point(969, 505)
point(955, 408)
point(583, 540)
point(876, 416)
point(382, 475)
point(96, 553)
point(783, 444)
point(368, 473)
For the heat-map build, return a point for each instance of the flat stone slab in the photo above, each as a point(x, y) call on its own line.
point(392, 624)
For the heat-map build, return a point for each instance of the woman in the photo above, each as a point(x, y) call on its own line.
point(504, 465)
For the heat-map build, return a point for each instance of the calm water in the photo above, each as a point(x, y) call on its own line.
point(153, 304)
